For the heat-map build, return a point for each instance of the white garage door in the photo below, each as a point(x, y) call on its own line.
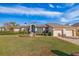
point(57, 32)
point(68, 33)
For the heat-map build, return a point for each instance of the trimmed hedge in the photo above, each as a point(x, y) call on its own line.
point(12, 33)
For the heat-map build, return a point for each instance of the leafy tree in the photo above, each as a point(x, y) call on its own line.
point(10, 26)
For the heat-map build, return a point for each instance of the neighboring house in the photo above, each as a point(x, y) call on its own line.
point(2, 29)
point(19, 28)
point(40, 29)
point(16, 30)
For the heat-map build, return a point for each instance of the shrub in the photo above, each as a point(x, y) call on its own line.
point(22, 32)
point(49, 34)
point(11, 32)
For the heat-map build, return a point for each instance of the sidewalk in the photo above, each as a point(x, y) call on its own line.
point(74, 41)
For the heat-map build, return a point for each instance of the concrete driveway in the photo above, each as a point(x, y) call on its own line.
point(72, 40)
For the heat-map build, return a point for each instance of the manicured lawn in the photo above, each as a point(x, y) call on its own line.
point(15, 45)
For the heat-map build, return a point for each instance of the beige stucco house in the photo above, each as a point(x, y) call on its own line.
point(19, 28)
point(56, 30)
point(2, 29)
point(62, 30)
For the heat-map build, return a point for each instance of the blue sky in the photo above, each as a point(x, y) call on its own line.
point(39, 13)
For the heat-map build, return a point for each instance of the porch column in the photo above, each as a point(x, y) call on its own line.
point(74, 32)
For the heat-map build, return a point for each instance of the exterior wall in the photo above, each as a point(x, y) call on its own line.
point(68, 33)
point(38, 30)
point(43, 29)
point(22, 29)
point(16, 30)
point(64, 32)
point(57, 32)
point(74, 32)
point(3, 29)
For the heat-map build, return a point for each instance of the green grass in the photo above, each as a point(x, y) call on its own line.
point(12, 33)
point(15, 45)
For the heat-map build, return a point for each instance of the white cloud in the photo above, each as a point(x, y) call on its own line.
point(30, 11)
point(64, 20)
point(51, 5)
point(73, 12)
point(71, 15)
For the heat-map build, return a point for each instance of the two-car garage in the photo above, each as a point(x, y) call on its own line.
point(64, 32)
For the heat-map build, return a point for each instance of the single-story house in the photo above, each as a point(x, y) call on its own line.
point(2, 29)
point(62, 30)
point(39, 29)
point(55, 29)
point(20, 28)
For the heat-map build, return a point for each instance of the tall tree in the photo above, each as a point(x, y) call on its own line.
point(10, 26)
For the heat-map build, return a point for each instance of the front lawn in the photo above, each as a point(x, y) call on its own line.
point(15, 45)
